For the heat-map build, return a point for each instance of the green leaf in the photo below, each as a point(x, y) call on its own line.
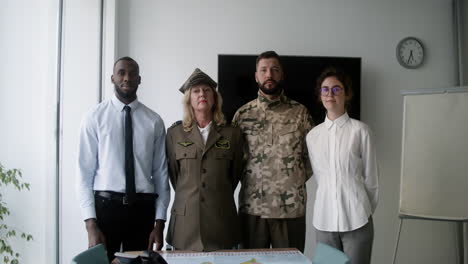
point(10, 177)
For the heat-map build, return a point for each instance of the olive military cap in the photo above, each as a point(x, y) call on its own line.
point(196, 78)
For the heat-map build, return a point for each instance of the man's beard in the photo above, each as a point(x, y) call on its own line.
point(275, 90)
point(125, 95)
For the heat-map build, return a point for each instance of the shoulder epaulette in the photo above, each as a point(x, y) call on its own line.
point(176, 123)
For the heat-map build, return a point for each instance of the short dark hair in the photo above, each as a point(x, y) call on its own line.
point(268, 55)
point(129, 59)
point(341, 76)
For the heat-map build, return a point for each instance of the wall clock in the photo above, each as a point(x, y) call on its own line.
point(410, 53)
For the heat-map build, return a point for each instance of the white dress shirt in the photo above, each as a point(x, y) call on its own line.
point(102, 150)
point(343, 158)
point(205, 131)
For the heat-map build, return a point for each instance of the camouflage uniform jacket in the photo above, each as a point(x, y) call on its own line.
point(273, 183)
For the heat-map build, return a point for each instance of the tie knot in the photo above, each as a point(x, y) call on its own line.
point(127, 108)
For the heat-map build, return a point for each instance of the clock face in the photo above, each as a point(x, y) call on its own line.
point(410, 53)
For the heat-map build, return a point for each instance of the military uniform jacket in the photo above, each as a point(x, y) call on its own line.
point(204, 214)
point(273, 184)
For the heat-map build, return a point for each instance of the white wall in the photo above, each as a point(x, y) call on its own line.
point(80, 91)
point(27, 116)
point(170, 38)
point(464, 54)
point(464, 32)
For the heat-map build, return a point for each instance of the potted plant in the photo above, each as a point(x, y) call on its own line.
point(9, 178)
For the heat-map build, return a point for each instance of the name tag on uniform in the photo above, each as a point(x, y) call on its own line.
point(185, 144)
point(223, 144)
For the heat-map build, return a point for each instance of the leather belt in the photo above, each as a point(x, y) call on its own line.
point(139, 197)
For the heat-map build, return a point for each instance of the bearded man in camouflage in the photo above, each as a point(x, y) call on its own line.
point(272, 199)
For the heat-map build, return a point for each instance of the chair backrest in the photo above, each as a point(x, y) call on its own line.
point(94, 255)
point(325, 254)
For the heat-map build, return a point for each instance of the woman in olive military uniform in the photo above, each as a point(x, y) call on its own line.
point(205, 164)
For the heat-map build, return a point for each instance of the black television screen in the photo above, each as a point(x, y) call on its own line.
point(236, 77)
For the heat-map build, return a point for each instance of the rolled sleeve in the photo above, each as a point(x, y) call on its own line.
point(308, 124)
point(160, 173)
point(86, 167)
point(371, 170)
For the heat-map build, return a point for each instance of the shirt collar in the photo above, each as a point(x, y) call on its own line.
point(207, 128)
point(340, 121)
point(119, 105)
point(267, 103)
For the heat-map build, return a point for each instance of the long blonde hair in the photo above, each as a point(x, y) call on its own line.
point(189, 115)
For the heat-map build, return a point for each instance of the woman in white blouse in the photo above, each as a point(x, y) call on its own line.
point(342, 154)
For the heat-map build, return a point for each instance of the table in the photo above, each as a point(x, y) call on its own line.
point(241, 256)
point(244, 256)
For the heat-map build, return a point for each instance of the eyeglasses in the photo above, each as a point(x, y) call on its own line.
point(335, 90)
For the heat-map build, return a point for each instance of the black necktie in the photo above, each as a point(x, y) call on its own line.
point(129, 162)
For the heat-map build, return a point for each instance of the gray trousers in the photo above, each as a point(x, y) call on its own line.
point(356, 244)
